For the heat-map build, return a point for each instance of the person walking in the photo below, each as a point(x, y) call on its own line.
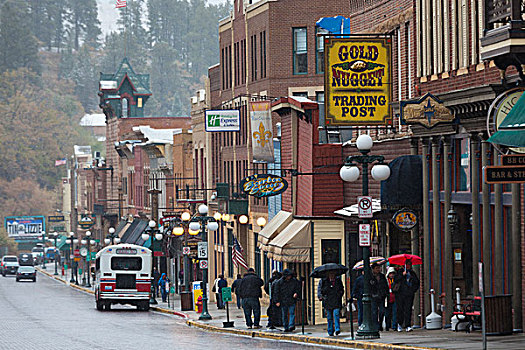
point(357, 294)
point(164, 286)
point(221, 283)
point(235, 289)
point(378, 292)
point(250, 292)
point(391, 306)
point(274, 312)
point(332, 291)
point(287, 291)
point(406, 284)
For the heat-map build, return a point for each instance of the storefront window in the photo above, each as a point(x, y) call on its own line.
point(331, 251)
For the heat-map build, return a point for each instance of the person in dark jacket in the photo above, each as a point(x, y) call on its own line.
point(274, 312)
point(250, 292)
point(287, 291)
point(332, 291)
point(156, 277)
point(378, 293)
point(357, 294)
point(222, 283)
point(235, 289)
point(406, 284)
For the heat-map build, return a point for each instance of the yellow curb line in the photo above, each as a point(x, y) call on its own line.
point(304, 338)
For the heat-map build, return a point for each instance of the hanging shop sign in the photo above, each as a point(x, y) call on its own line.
point(86, 222)
point(497, 174)
point(223, 120)
point(55, 218)
point(261, 131)
point(263, 185)
point(498, 110)
point(358, 82)
point(405, 219)
point(427, 111)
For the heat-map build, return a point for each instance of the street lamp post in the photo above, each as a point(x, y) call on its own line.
point(204, 223)
point(55, 237)
point(89, 242)
point(73, 241)
point(349, 173)
point(152, 233)
point(44, 250)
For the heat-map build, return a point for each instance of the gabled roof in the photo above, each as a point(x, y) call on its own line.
point(139, 82)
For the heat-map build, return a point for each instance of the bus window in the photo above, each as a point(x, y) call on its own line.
point(126, 263)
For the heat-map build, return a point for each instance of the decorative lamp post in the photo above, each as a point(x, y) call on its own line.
point(112, 237)
point(55, 237)
point(89, 242)
point(349, 173)
point(44, 250)
point(73, 241)
point(152, 233)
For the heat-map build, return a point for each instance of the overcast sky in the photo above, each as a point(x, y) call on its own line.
point(108, 14)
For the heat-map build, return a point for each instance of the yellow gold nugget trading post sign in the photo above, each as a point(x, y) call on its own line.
point(358, 81)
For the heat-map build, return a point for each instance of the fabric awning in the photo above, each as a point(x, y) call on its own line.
point(511, 131)
point(293, 244)
point(273, 228)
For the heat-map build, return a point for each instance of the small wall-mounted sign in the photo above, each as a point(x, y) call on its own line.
point(405, 219)
point(263, 185)
point(427, 111)
point(222, 120)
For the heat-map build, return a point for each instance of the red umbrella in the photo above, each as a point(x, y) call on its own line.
point(401, 259)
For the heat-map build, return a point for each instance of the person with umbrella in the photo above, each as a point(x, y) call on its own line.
point(406, 284)
point(332, 291)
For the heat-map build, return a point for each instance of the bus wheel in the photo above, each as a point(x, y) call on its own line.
point(108, 306)
point(143, 306)
point(100, 305)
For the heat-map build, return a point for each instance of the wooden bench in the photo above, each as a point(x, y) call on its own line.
point(470, 313)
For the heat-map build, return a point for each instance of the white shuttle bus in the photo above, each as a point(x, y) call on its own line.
point(123, 276)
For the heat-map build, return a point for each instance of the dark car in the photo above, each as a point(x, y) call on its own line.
point(26, 259)
point(26, 273)
point(9, 265)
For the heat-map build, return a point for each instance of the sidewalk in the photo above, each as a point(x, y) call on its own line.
point(418, 339)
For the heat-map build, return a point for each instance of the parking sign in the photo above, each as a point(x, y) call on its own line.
point(364, 206)
point(202, 249)
point(364, 235)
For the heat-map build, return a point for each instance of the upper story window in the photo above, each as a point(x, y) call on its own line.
point(319, 50)
point(300, 59)
point(125, 109)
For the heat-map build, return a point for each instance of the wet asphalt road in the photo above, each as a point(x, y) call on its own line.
point(49, 315)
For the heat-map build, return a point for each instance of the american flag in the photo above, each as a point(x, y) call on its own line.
point(60, 162)
point(237, 254)
point(121, 3)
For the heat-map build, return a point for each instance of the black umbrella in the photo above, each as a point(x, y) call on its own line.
point(323, 270)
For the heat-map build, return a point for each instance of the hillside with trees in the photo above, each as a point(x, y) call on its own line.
point(52, 53)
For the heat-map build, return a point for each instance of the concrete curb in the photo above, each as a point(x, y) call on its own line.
point(304, 338)
point(89, 291)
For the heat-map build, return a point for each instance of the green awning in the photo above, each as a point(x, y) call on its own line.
point(516, 117)
point(511, 131)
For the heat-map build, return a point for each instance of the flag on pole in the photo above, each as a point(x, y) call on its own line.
point(237, 254)
point(60, 162)
point(121, 3)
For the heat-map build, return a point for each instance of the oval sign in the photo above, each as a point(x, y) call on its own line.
point(405, 219)
point(263, 185)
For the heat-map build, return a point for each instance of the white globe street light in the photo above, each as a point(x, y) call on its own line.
point(185, 216)
point(261, 222)
point(152, 224)
point(203, 209)
point(243, 219)
point(364, 142)
point(217, 216)
point(349, 173)
point(117, 240)
point(194, 226)
point(83, 242)
point(380, 172)
point(107, 241)
point(178, 231)
point(88, 233)
point(111, 230)
point(213, 225)
point(158, 236)
point(145, 236)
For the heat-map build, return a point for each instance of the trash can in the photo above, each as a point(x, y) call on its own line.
point(498, 311)
point(186, 301)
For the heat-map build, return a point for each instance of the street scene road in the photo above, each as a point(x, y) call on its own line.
point(49, 315)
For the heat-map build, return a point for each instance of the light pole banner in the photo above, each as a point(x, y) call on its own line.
point(262, 132)
point(358, 83)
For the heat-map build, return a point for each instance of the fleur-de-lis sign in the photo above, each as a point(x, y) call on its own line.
point(262, 136)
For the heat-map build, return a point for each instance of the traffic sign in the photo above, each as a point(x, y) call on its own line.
point(186, 250)
point(226, 294)
point(364, 235)
point(203, 264)
point(202, 249)
point(364, 205)
point(76, 252)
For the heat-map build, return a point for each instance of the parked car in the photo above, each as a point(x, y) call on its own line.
point(26, 259)
point(26, 273)
point(9, 265)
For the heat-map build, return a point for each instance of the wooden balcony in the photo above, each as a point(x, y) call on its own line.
point(504, 37)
